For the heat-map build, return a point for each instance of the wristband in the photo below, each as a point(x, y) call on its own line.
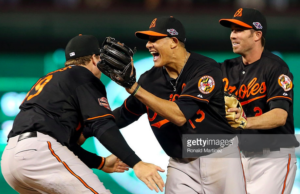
point(135, 90)
point(102, 164)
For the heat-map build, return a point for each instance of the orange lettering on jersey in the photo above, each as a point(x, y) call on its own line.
point(200, 112)
point(63, 69)
point(153, 23)
point(154, 116)
point(258, 110)
point(252, 89)
point(238, 13)
point(192, 124)
point(39, 86)
point(160, 123)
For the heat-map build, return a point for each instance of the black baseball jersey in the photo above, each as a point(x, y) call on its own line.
point(63, 101)
point(198, 91)
point(258, 85)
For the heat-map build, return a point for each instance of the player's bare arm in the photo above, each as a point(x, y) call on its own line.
point(269, 120)
point(166, 109)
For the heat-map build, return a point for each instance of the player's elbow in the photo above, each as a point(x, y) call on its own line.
point(180, 121)
point(281, 122)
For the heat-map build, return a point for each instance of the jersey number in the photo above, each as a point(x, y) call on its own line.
point(258, 111)
point(38, 87)
point(198, 120)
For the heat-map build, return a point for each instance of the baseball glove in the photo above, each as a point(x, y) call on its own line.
point(231, 101)
point(115, 62)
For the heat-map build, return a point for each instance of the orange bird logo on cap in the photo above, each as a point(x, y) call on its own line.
point(153, 23)
point(238, 13)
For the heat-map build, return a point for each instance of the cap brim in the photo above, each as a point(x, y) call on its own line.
point(146, 34)
point(227, 23)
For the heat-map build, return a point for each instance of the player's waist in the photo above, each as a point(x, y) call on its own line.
point(266, 152)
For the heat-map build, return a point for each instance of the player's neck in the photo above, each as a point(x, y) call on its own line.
point(253, 55)
point(179, 60)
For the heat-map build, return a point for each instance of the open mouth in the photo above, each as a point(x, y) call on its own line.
point(155, 55)
point(235, 44)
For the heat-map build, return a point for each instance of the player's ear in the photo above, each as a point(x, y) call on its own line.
point(258, 35)
point(95, 59)
point(174, 43)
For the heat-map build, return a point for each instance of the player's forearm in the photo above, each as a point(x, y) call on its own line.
point(166, 109)
point(269, 120)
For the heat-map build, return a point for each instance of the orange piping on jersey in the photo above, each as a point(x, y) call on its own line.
point(194, 97)
point(78, 127)
point(63, 69)
point(279, 97)
point(287, 173)
point(253, 99)
point(160, 123)
point(102, 162)
point(67, 167)
point(243, 172)
point(192, 124)
point(129, 110)
point(100, 116)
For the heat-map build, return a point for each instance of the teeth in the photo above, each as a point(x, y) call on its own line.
point(153, 53)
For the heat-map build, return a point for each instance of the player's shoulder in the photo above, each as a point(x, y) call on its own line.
point(152, 74)
point(231, 62)
point(273, 61)
point(199, 62)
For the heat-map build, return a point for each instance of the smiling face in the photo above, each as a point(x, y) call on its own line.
point(242, 39)
point(161, 49)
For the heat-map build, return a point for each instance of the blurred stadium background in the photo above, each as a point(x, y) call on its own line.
point(33, 34)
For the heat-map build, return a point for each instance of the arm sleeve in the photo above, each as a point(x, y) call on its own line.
point(88, 158)
point(129, 112)
point(199, 89)
point(280, 84)
point(279, 103)
point(107, 132)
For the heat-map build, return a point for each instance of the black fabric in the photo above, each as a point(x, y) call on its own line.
point(82, 45)
point(207, 118)
point(113, 140)
point(256, 86)
point(88, 158)
point(168, 26)
point(283, 104)
point(123, 119)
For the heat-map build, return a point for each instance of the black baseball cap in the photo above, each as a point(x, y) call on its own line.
point(248, 18)
point(164, 26)
point(82, 45)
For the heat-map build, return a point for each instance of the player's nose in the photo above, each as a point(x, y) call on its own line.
point(149, 44)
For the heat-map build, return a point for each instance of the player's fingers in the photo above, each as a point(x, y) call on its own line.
point(159, 182)
point(152, 182)
point(234, 110)
point(147, 183)
point(160, 169)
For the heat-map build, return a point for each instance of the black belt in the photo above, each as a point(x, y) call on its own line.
point(27, 135)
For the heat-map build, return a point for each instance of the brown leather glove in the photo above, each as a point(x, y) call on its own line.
point(231, 101)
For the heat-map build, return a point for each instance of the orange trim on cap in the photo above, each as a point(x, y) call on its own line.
point(238, 22)
point(67, 167)
point(287, 173)
point(100, 117)
point(150, 33)
point(279, 97)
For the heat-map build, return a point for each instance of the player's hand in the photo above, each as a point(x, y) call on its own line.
point(81, 139)
point(147, 173)
point(114, 164)
point(237, 112)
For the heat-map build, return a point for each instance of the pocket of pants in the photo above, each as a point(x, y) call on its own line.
point(26, 154)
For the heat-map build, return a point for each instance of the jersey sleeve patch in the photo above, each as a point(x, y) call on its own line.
point(103, 102)
point(206, 84)
point(285, 82)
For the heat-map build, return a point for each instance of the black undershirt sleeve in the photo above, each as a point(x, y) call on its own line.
point(107, 132)
point(122, 120)
point(88, 158)
point(283, 104)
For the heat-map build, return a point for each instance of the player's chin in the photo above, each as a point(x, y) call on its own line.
point(158, 64)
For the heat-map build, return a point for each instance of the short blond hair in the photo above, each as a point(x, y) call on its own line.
point(79, 61)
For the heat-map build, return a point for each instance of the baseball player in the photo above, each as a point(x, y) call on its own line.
point(264, 85)
point(37, 158)
point(183, 94)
